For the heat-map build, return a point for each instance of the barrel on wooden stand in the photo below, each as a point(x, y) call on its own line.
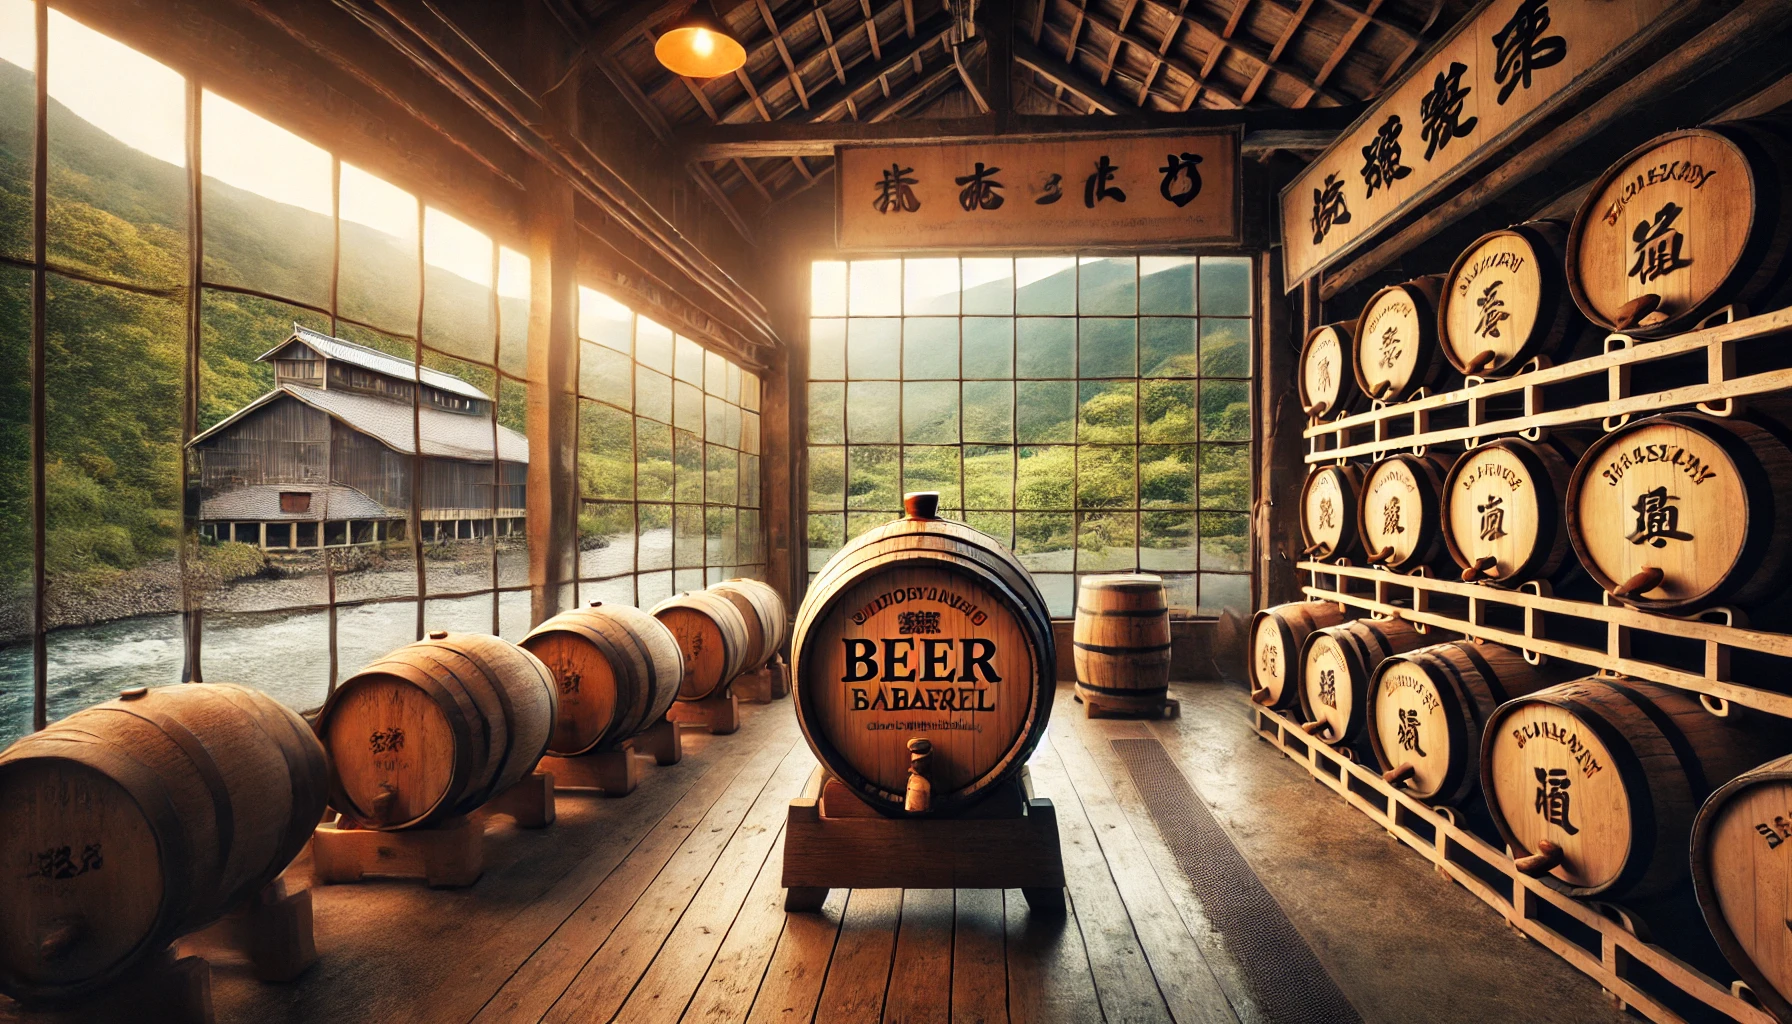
point(1336, 664)
point(1400, 511)
point(1594, 783)
point(712, 634)
point(1741, 841)
point(1505, 302)
point(1328, 508)
point(923, 630)
point(1277, 635)
point(617, 670)
point(763, 610)
point(1684, 225)
point(1327, 373)
point(1683, 511)
point(1502, 515)
point(1428, 708)
point(136, 821)
point(1397, 348)
point(1122, 643)
point(435, 729)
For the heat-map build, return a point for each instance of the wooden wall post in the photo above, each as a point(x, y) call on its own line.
point(1280, 448)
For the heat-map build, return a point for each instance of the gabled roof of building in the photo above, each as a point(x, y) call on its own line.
point(447, 435)
point(375, 360)
point(262, 502)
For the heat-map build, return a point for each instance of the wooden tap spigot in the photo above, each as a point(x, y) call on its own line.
point(1398, 775)
point(59, 938)
point(1483, 360)
point(1480, 570)
point(381, 804)
point(1260, 696)
point(1647, 579)
point(1632, 313)
point(1311, 728)
point(1316, 410)
point(1381, 557)
point(1547, 858)
point(1381, 389)
point(919, 799)
point(1314, 548)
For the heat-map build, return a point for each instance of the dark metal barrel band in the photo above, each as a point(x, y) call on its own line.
point(1099, 649)
point(1124, 691)
point(1122, 613)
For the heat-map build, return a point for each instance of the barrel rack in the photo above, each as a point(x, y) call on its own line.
point(1699, 369)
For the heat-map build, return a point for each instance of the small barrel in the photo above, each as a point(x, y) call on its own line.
point(617, 670)
point(1741, 842)
point(1328, 508)
point(1506, 301)
point(1502, 515)
point(1610, 771)
point(712, 634)
point(1397, 349)
point(1428, 708)
point(1400, 511)
point(763, 611)
point(435, 729)
point(1336, 664)
point(1327, 375)
point(1277, 635)
point(1122, 641)
point(136, 821)
point(1680, 511)
point(1683, 225)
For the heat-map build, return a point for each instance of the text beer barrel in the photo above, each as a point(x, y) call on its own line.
point(923, 629)
point(1506, 301)
point(713, 635)
point(1609, 772)
point(617, 670)
point(1122, 641)
point(1741, 845)
point(1336, 664)
point(435, 729)
point(1400, 510)
point(1277, 634)
point(1328, 508)
point(1397, 349)
point(1328, 374)
point(136, 821)
point(1502, 513)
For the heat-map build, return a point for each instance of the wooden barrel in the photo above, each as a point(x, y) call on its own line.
point(1400, 510)
point(1327, 378)
point(1336, 664)
point(1505, 301)
point(1328, 510)
point(1740, 846)
point(1428, 708)
point(1502, 513)
point(1397, 349)
point(1609, 772)
point(136, 821)
point(435, 729)
point(712, 634)
point(923, 630)
point(1277, 635)
point(1683, 225)
point(763, 611)
point(617, 670)
point(1122, 641)
point(1681, 511)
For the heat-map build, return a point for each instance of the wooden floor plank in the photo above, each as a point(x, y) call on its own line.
point(1048, 968)
point(735, 976)
point(799, 966)
point(920, 978)
point(979, 961)
point(604, 982)
point(666, 989)
point(860, 971)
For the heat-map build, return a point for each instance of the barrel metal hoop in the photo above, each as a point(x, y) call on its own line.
point(1101, 649)
point(509, 708)
point(1123, 613)
point(203, 763)
point(1125, 691)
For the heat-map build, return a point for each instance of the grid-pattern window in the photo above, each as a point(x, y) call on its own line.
point(668, 460)
point(1092, 412)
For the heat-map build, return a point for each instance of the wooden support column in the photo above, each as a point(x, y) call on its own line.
point(1279, 446)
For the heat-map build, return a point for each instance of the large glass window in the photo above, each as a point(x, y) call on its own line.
point(1091, 412)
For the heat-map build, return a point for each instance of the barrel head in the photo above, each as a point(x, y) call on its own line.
point(1328, 696)
point(587, 684)
point(1325, 369)
point(1548, 775)
point(705, 652)
point(1328, 512)
point(1494, 506)
point(1390, 339)
point(391, 750)
point(1412, 726)
point(1399, 510)
point(1490, 301)
point(1271, 660)
point(1748, 874)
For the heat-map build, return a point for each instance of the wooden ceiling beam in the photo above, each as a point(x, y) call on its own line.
point(790, 71)
point(1071, 80)
point(1253, 50)
point(1202, 80)
point(825, 101)
point(829, 101)
point(616, 29)
point(921, 86)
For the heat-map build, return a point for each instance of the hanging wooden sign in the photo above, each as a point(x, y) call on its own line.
point(1495, 75)
point(1121, 190)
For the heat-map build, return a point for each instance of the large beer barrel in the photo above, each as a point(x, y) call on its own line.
point(1683, 225)
point(1400, 510)
point(1681, 511)
point(1122, 641)
point(1505, 301)
point(1427, 709)
point(1328, 509)
point(923, 629)
point(1277, 634)
point(435, 729)
point(1397, 349)
point(1594, 783)
point(136, 821)
point(712, 634)
point(1336, 664)
point(617, 670)
point(1327, 374)
point(1740, 844)
point(1503, 510)
point(763, 610)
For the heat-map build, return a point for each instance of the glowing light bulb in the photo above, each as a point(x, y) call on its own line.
point(702, 43)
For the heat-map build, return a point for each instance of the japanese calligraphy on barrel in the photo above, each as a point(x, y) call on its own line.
point(1397, 348)
point(1328, 509)
point(1503, 510)
point(1400, 510)
point(617, 669)
point(1327, 376)
point(1506, 301)
point(1277, 635)
point(1743, 880)
point(712, 634)
point(1335, 666)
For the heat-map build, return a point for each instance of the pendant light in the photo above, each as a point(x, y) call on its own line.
point(699, 46)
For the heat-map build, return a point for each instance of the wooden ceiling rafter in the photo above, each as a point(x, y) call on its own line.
point(1200, 81)
point(1068, 78)
point(1157, 59)
point(1242, 44)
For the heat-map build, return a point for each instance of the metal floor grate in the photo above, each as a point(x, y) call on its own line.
point(1285, 977)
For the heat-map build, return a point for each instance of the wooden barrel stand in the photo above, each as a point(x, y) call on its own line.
point(446, 854)
point(616, 771)
point(764, 684)
point(718, 713)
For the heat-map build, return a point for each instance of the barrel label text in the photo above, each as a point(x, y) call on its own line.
point(1695, 468)
point(1777, 832)
point(1578, 749)
point(922, 698)
point(920, 660)
point(387, 741)
point(902, 594)
point(1506, 258)
point(59, 862)
point(1677, 170)
point(1512, 478)
point(1394, 682)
